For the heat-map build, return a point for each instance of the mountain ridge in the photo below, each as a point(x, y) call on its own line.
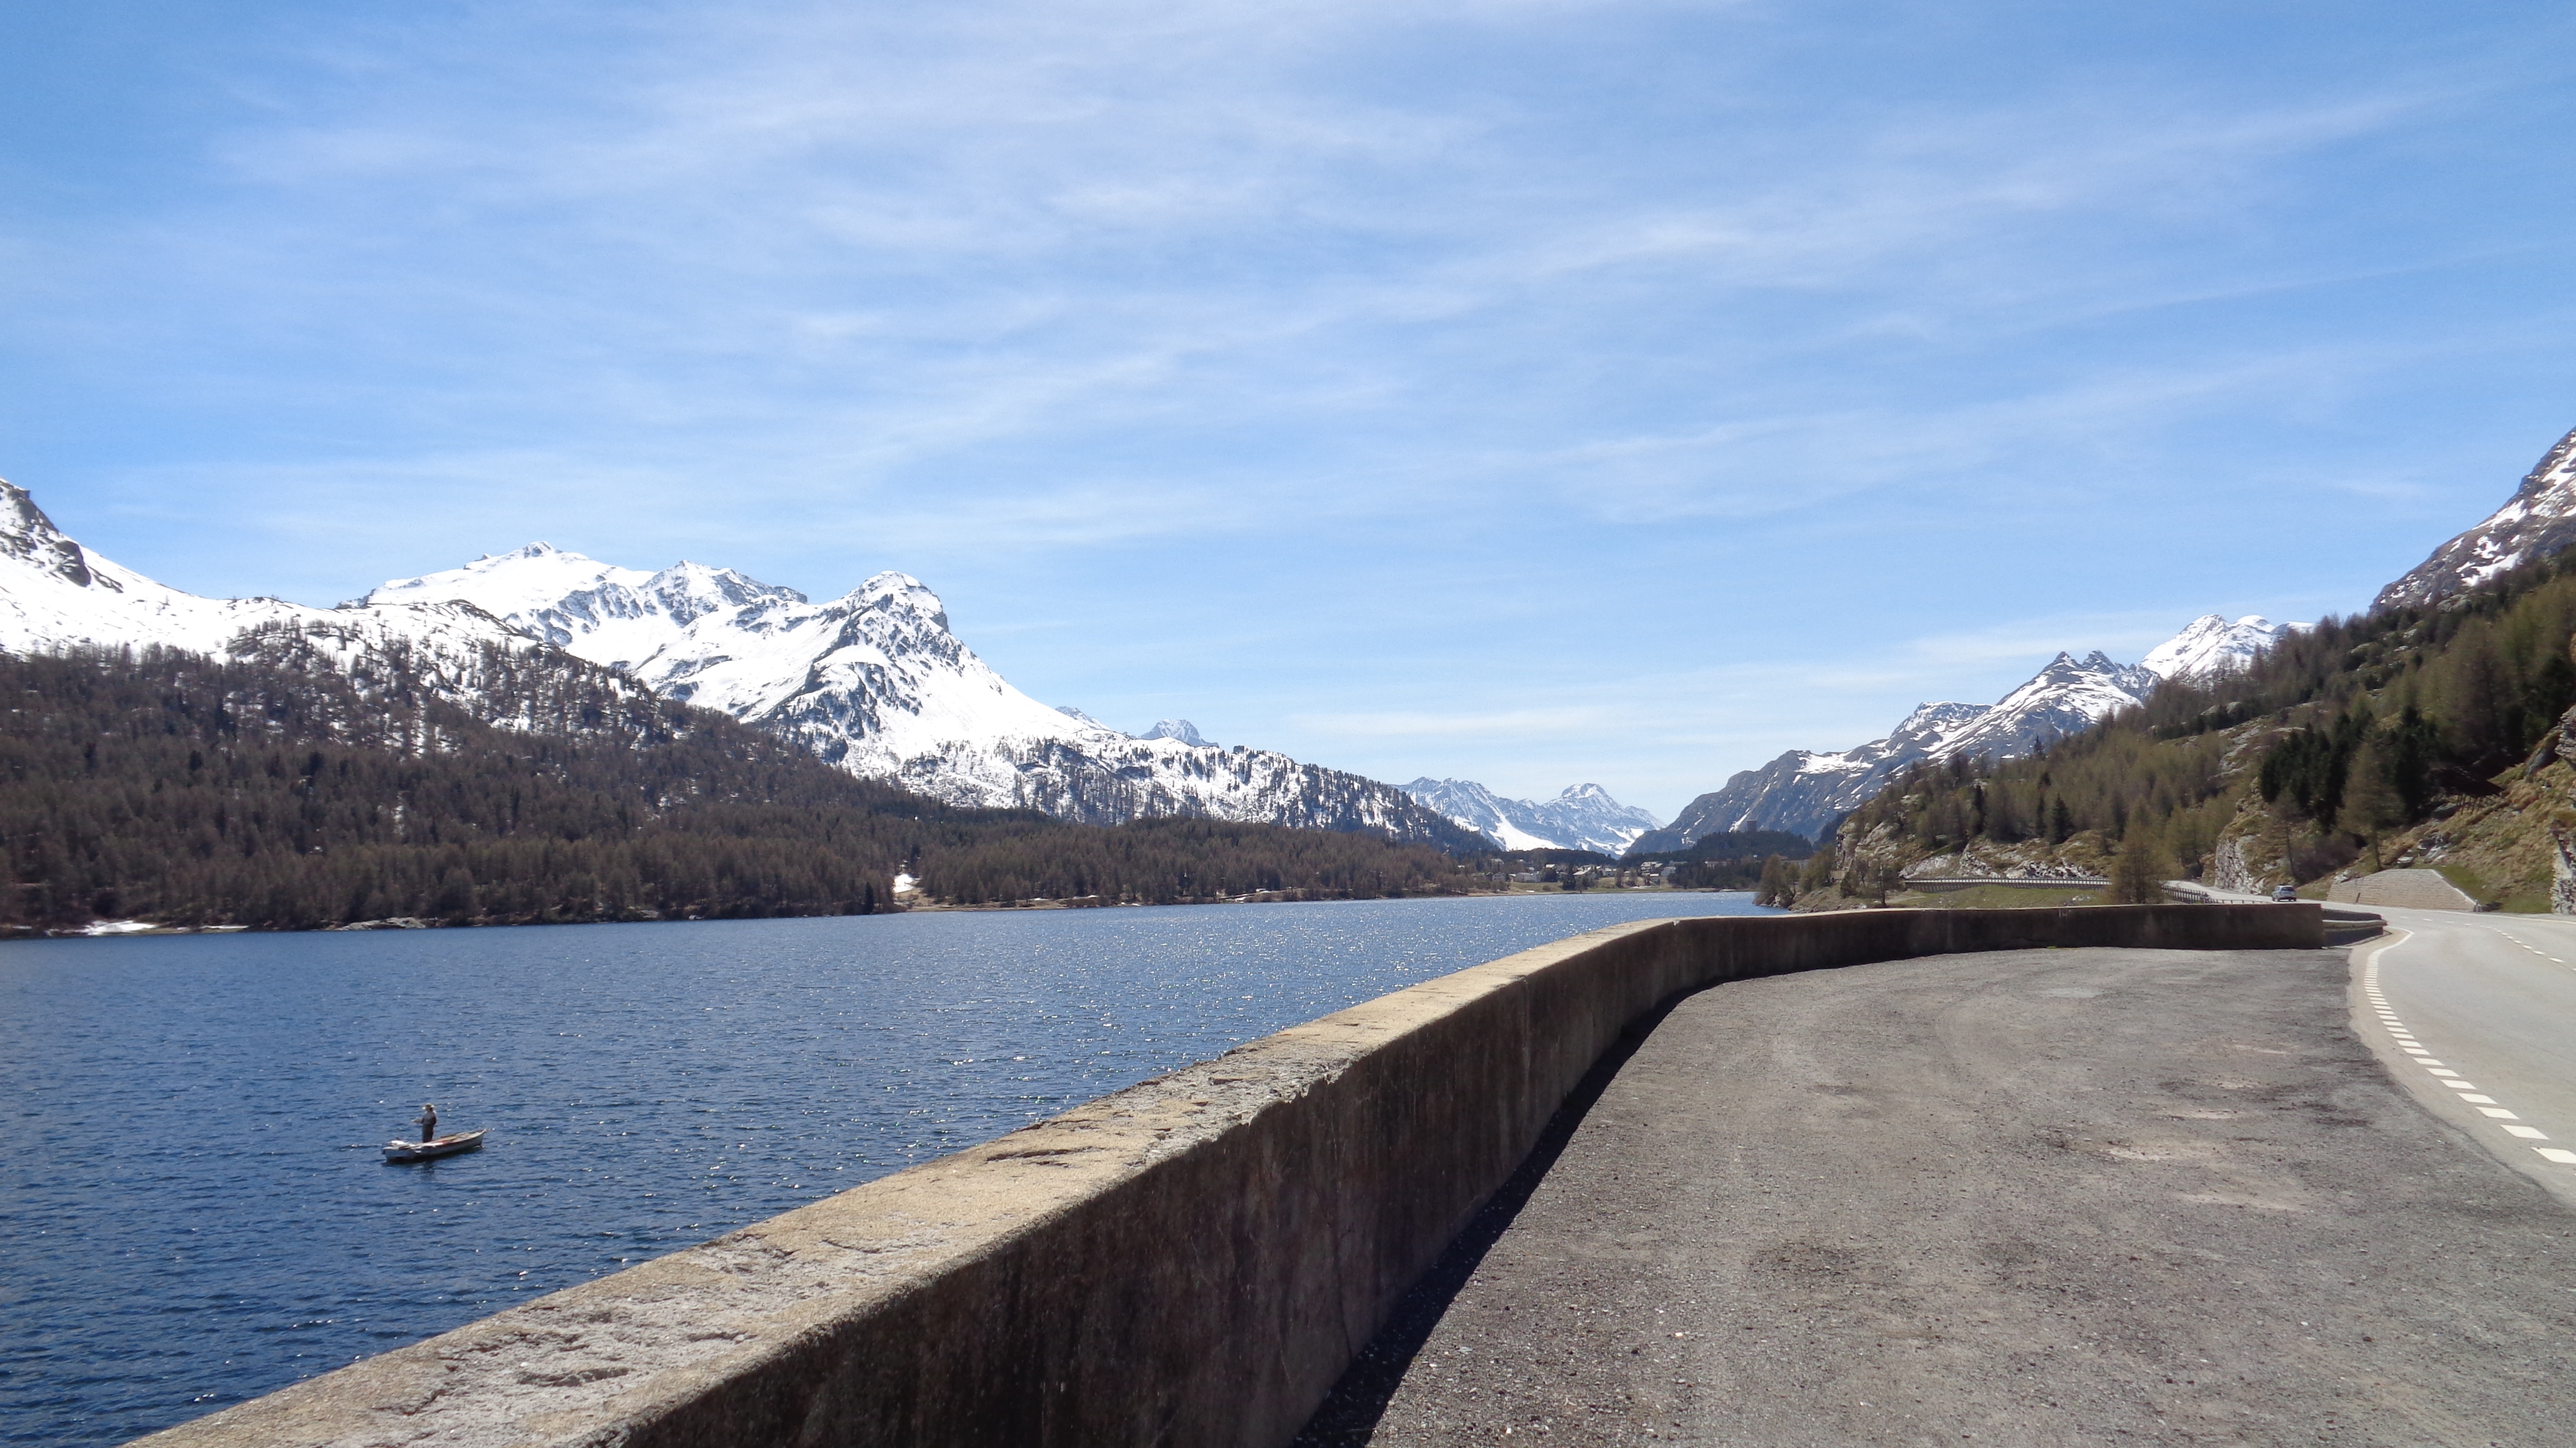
point(1582, 817)
point(2537, 522)
point(1804, 792)
point(871, 682)
point(874, 682)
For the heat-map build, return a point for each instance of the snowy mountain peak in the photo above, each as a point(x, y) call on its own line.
point(562, 596)
point(503, 584)
point(1805, 792)
point(27, 535)
point(872, 681)
point(1942, 716)
point(2538, 521)
point(1180, 729)
point(2211, 645)
point(55, 594)
point(1583, 817)
point(899, 593)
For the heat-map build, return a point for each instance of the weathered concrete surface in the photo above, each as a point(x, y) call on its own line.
point(2405, 889)
point(2046, 1198)
point(1191, 1261)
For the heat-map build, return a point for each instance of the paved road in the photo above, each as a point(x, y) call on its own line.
point(2477, 1014)
point(2038, 1197)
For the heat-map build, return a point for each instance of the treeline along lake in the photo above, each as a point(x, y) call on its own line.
point(192, 1191)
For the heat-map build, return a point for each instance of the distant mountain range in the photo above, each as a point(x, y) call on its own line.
point(872, 681)
point(876, 684)
point(1584, 817)
point(1804, 792)
point(2538, 521)
point(2459, 670)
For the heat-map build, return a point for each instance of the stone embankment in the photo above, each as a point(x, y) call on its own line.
point(1194, 1260)
point(2404, 889)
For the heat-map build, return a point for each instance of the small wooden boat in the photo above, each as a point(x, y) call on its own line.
point(425, 1150)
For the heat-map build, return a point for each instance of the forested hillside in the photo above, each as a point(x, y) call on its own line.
point(294, 788)
point(1733, 860)
point(1167, 861)
point(2421, 735)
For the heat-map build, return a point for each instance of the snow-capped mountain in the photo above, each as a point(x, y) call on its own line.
point(873, 681)
point(2538, 521)
point(55, 594)
point(2212, 645)
point(1804, 792)
point(1180, 729)
point(1584, 817)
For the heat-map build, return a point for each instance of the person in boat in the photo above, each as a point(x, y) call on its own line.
point(428, 1122)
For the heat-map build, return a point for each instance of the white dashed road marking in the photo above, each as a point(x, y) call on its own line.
point(2527, 945)
point(2405, 1039)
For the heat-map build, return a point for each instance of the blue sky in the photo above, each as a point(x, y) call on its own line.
point(1522, 391)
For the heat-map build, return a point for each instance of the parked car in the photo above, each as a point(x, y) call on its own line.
point(2285, 895)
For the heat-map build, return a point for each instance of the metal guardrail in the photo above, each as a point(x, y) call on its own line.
point(2344, 925)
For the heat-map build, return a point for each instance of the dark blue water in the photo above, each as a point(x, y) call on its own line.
point(190, 1185)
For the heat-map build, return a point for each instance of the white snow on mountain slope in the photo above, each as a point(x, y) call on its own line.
point(1584, 817)
point(1180, 729)
point(2210, 644)
point(55, 594)
point(873, 676)
point(1804, 792)
point(2538, 521)
point(873, 681)
point(616, 616)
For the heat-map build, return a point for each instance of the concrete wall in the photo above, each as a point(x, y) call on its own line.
point(1192, 1261)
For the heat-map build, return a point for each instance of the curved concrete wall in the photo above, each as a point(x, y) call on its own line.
point(1192, 1261)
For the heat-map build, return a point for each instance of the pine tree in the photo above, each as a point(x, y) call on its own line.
point(2372, 804)
point(2138, 871)
point(2412, 746)
point(1773, 888)
point(1819, 873)
point(271, 790)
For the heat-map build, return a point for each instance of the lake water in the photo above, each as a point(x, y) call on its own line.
point(191, 1189)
